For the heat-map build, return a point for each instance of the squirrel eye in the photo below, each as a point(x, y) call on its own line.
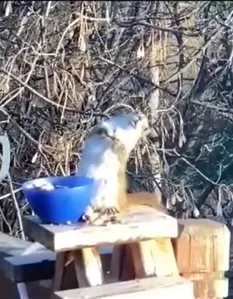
point(103, 131)
point(134, 122)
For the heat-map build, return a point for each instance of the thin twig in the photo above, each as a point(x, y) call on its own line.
point(17, 209)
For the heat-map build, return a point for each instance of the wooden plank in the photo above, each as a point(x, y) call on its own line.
point(88, 267)
point(145, 258)
point(154, 257)
point(160, 288)
point(136, 226)
point(31, 267)
point(58, 272)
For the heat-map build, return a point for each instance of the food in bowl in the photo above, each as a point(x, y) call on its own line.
point(41, 184)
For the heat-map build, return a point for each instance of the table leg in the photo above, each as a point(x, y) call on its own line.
point(154, 257)
point(88, 267)
point(58, 272)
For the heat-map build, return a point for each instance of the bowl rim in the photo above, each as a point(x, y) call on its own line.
point(89, 182)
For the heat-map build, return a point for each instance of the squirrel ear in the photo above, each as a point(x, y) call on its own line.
point(103, 131)
point(99, 130)
point(100, 119)
point(97, 120)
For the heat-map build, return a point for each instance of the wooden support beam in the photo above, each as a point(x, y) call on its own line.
point(154, 257)
point(59, 272)
point(88, 267)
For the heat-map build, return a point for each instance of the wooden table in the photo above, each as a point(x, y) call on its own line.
point(146, 231)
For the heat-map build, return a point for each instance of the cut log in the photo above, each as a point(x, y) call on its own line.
point(202, 252)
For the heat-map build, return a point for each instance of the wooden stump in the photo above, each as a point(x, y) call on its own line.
point(202, 252)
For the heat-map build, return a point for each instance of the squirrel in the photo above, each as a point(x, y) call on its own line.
point(106, 151)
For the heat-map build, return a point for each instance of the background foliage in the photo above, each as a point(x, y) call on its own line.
point(66, 64)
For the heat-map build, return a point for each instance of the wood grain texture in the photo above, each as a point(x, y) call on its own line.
point(136, 225)
point(154, 257)
point(160, 288)
point(88, 267)
point(59, 272)
point(202, 246)
point(211, 285)
point(202, 252)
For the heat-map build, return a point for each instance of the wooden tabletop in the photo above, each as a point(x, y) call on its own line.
point(136, 225)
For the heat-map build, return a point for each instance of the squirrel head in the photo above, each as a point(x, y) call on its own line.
point(101, 130)
point(128, 128)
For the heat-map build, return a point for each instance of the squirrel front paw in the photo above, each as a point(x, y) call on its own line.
point(111, 214)
point(101, 216)
point(110, 211)
point(88, 215)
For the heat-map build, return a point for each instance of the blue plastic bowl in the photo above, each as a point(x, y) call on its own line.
point(63, 205)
